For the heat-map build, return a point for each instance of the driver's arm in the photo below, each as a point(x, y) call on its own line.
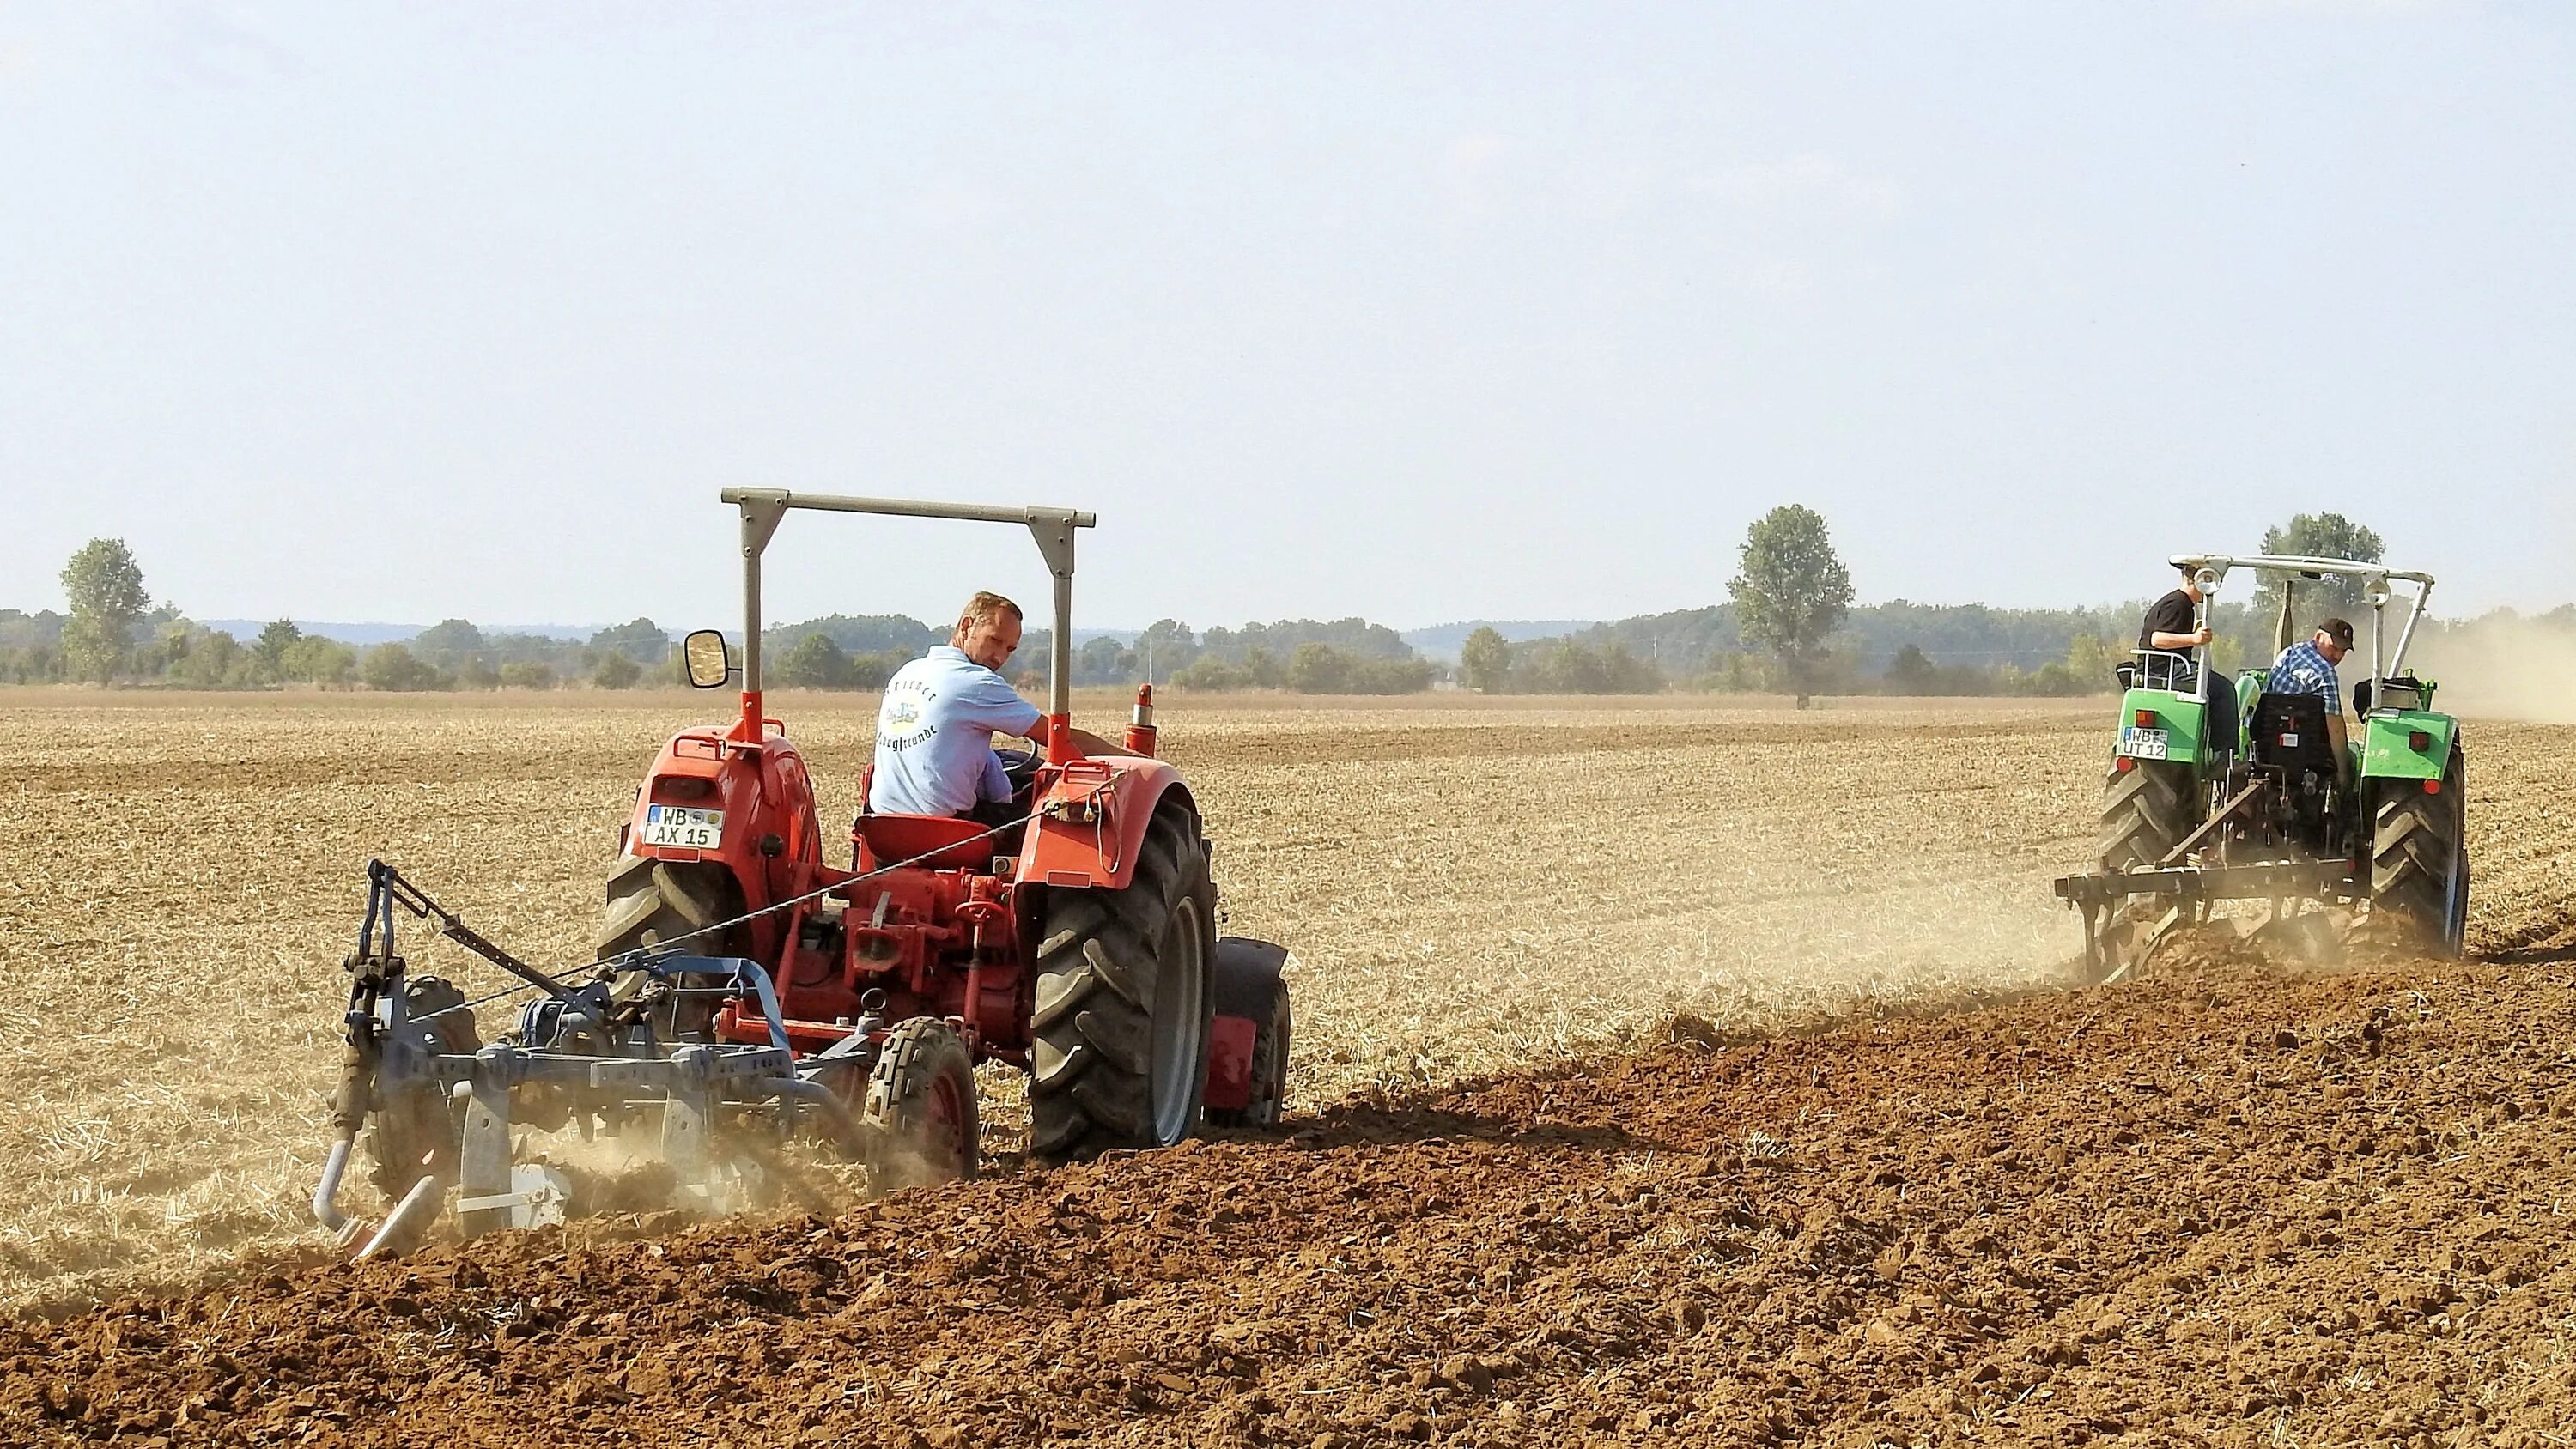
point(1091, 744)
point(2162, 640)
point(1083, 740)
point(2336, 732)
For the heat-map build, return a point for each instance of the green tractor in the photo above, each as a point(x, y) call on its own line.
point(2267, 813)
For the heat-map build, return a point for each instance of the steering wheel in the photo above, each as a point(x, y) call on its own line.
point(1020, 764)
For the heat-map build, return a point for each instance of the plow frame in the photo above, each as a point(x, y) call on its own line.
point(2191, 889)
point(693, 1085)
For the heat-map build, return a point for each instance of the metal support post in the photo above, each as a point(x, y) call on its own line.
point(483, 1157)
point(688, 1121)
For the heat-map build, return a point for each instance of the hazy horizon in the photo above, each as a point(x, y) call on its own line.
point(364, 311)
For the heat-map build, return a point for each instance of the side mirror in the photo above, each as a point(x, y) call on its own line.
point(709, 663)
point(2361, 698)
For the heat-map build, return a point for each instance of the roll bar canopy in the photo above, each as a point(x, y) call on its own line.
point(2210, 570)
point(763, 509)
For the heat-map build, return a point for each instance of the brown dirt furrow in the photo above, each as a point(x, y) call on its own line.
point(2232, 1210)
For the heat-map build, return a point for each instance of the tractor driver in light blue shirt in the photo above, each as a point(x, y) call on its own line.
point(935, 729)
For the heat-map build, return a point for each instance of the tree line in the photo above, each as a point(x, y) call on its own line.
point(1788, 626)
point(113, 634)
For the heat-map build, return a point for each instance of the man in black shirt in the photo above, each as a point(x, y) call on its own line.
point(2173, 626)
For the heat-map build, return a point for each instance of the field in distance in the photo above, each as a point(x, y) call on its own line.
point(1469, 886)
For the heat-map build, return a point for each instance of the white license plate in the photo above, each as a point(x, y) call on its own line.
point(684, 826)
point(2140, 744)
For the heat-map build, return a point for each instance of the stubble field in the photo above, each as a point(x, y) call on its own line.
point(1466, 889)
point(1493, 1230)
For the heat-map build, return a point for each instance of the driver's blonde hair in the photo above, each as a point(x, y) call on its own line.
point(985, 608)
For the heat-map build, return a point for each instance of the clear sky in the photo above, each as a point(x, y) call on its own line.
point(1424, 312)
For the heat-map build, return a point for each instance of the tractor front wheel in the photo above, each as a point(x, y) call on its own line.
point(1248, 985)
point(1124, 1001)
point(2419, 858)
point(921, 1095)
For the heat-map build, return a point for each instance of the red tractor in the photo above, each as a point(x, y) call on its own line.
point(744, 983)
point(1077, 940)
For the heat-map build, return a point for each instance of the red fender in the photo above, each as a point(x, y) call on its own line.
point(765, 795)
point(1091, 821)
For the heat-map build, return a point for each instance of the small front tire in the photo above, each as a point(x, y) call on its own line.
point(921, 1096)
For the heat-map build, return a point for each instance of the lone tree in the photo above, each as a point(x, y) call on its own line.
point(1792, 593)
point(1486, 661)
point(106, 589)
point(2316, 535)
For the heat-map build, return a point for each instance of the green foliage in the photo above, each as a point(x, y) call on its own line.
point(1166, 646)
point(2315, 535)
point(477, 673)
point(316, 660)
point(1354, 636)
point(1319, 668)
point(1792, 592)
point(278, 636)
point(871, 671)
point(396, 669)
point(526, 674)
point(1212, 675)
point(1485, 661)
point(105, 586)
point(1103, 660)
point(1912, 672)
point(641, 640)
point(870, 634)
point(1315, 668)
point(815, 663)
point(616, 670)
point(2085, 668)
point(213, 660)
point(451, 640)
point(1563, 666)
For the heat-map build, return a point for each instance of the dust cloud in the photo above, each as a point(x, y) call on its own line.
point(2500, 666)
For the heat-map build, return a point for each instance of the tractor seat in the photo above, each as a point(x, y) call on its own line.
point(951, 843)
point(2289, 734)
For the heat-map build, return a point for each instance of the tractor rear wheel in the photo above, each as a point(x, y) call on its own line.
point(2146, 811)
point(2419, 858)
point(1124, 1001)
point(922, 1096)
point(415, 1133)
point(654, 902)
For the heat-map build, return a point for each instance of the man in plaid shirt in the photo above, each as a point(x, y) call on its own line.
point(2308, 667)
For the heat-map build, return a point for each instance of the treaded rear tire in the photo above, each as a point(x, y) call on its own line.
point(2146, 811)
point(1124, 1001)
point(921, 1093)
point(651, 902)
point(416, 1133)
point(2419, 862)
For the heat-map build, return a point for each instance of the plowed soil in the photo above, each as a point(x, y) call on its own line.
point(2231, 1208)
